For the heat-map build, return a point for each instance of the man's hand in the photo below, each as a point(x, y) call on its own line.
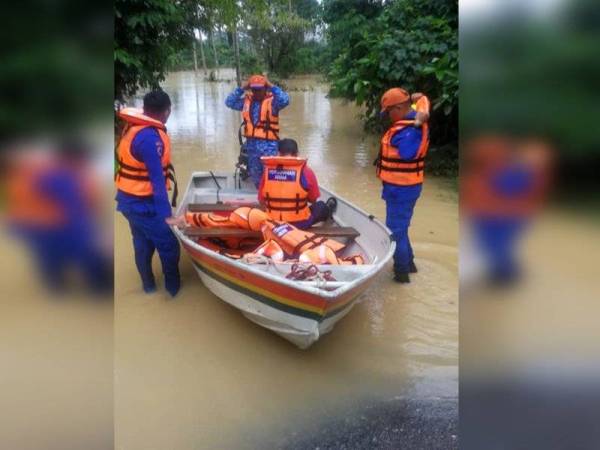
point(177, 221)
point(246, 87)
point(416, 96)
point(268, 84)
point(421, 118)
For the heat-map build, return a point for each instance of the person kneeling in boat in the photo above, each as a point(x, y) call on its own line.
point(289, 189)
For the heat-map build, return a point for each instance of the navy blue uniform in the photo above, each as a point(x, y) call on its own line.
point(146, 216)
point(400, 200)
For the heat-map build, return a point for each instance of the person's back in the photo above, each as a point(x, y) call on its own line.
point(145, 174)
point(289, 188)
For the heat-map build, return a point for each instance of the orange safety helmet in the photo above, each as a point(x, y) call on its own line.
point(257, 81)
point(394, 96)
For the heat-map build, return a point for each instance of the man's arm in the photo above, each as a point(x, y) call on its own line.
point(308, 179)
point(261, 195)
point(280, 99)
point(150, 148)
point(422, 106)
point(407, 141)
point(235, 100)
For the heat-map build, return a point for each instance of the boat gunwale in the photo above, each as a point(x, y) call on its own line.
point(325, 294)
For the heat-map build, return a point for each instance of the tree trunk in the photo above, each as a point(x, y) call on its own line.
point(202, 56)
point(195, 57)
point(212, 41)
point(236, 50)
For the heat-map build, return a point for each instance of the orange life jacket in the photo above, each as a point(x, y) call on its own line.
point(271, 249)
point(248, 218)
point(244, 217)
point(132, 176)
point(294, 241)
point(421, 105)
point(26, 203)
point(268, 123)
point(209, 220)
point(395, 170)
point(284, 196)
point(325, 255)
point(319, 255)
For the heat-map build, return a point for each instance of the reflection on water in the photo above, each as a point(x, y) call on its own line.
point(194, 370)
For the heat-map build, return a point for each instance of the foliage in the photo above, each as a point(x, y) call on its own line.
point(276, 32)
point(147, 34)
point(408, 43)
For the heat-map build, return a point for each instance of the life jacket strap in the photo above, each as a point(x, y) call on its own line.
point(400, 160)
point(403, 169)
point(314, 241)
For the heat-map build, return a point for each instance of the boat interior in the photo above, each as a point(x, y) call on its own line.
point(220, 194)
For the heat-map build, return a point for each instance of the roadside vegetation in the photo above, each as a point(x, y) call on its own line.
point(362, 47)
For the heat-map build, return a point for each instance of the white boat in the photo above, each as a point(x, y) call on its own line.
point(299, 311)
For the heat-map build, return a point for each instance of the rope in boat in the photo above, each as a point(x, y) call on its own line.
point(309, 272)
point(298, 272)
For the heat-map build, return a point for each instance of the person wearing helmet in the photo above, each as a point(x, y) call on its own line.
point(260, 103)
point(400, 166)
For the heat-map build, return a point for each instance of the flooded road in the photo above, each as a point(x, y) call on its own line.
point(193, 373)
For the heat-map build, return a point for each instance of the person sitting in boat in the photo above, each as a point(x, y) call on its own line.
point(260, 113)
point(289, 189)
point(144, 176)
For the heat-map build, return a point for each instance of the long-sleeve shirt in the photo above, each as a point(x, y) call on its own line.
point(407, 142)
point(147, 147)
point(235, 100)
point(254, 146)
point(308, 180)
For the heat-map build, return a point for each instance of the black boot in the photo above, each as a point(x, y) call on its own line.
point(412, 268)
point(332, 205)
point(401, 277)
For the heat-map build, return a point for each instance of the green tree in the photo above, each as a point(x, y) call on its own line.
point(408, 43)
point(277, 32)
point(147, 34)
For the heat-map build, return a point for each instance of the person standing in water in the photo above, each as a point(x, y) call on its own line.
point(260, 113)
point(400, 166)
point(144, 176)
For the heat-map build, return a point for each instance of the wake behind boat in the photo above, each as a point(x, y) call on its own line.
point(299, 311)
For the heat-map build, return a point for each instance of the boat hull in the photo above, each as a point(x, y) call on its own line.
point(301, 319)
point(299, 311)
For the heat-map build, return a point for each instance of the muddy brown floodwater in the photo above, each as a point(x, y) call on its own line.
point(193, 373)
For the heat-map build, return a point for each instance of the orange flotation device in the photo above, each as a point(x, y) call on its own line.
point(284, 196)
point(248, 218)
point(294, 241)
point(244, 217)
point(325, 255)
point(395, 170)
point(271, 249)
point(318, 255)
point(268, 123)
point(209, 220)
point(132, 176)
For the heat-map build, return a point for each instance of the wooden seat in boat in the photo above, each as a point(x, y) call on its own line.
point(212, 207)
point(346, 232)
